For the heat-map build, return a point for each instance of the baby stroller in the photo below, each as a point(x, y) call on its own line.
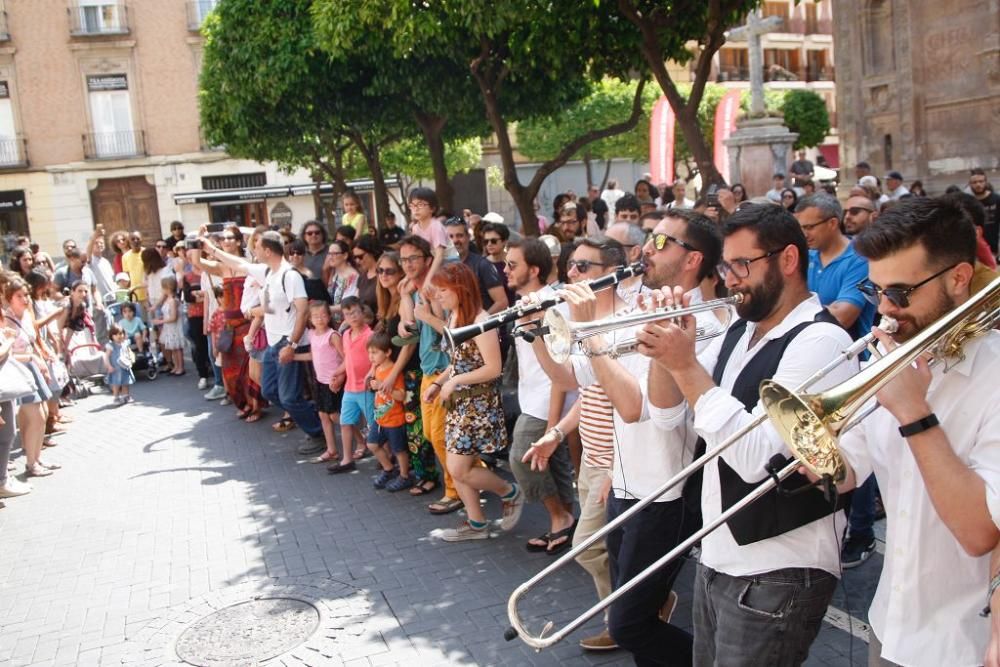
point(85, 361)
point(146, 359)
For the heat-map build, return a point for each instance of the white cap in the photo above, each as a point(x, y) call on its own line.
point(493, 217)
point(869, 180)
point(123, 276)
point(555, 248)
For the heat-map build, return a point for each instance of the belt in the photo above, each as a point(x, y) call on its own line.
point(471, 392)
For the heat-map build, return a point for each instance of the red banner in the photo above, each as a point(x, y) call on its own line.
point(661, 142)
point(725, 124)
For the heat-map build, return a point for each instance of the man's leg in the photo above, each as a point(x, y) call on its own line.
point(268, 376)
point(538, 486)
point(703, 617)
point(875, 658)
point(634, 619)
point(860, 542)
point(290, 393)
point(770, 618)
point(592, 518)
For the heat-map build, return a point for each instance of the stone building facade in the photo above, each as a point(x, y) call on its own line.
point(918, 87)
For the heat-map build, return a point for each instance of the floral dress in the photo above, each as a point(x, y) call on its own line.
point(474, 424)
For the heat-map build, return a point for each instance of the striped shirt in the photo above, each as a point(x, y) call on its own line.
point(597, 427)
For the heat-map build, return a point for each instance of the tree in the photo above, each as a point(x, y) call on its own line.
point(411, 160)
point(527, 58)
point(664, 30)
point(609, 101)
point(269, 93)
point(805, 112)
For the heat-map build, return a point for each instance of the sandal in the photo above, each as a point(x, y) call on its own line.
point(446, 506)
point(244, 413)
point(361, 453)
point(253, 416)
point(533, 547)
point(48, 442)
point(566, 534)
point(285, 424)
point(324, 457)
point(424, 487)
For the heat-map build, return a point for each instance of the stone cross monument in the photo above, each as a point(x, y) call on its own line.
point(760, 145)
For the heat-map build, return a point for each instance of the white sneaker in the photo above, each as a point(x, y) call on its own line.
point(464, 532)
point(13, 487)
point(203, 383)
point(225, 401)
point(215, 393)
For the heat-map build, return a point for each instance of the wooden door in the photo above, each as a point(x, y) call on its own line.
point(127, 204)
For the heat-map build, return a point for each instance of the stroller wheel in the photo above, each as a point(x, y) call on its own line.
point(152, 372)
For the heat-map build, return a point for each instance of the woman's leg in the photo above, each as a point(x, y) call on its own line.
point(31, 422)
point(178, 356)
point(331, 443)
point(7, 434)
point(459, 467)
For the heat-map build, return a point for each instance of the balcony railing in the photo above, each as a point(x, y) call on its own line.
point(13, 152)
point(110, 145)
point(733, 74)
point(107, 18)
point(4, 33)
point(819, 74)
point(197, 10)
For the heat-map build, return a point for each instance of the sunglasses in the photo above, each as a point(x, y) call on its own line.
point(897, 296)
point(335, 254)
point(314, 232)
point(412, 258)
point(228, 237)
point(295, 253)
point(388, 271)
point(660, 242)
point(582, 265)
point(858, 210)
point(359, 255)
point(741, 267)
point(489, 241)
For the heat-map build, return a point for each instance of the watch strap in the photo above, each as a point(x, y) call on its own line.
point(919, 426)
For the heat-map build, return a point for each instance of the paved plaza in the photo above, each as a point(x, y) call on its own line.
point(171, 508)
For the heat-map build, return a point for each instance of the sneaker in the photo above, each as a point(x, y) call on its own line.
point(13, 488)
point(129, 399)
point(667, 610)
point(203, 384)
point(856, 551)
point(382, 478)
point(400, 483)
point(601, 642)
point(465, 532)
point(226, 401)
point(512, 510)
point(215, 393)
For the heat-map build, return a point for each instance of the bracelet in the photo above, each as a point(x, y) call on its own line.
point(919, 426)
point(436, 384)
point(558, 432)
point(994, 585)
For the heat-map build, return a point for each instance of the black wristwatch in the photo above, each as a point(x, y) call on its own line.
point(919, 426)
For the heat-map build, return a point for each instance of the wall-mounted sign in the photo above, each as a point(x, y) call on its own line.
point(281, 214)
point(12, 200)
point(99, 82)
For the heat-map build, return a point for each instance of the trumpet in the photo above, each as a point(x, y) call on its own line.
point(457, 336)
point(541, 641)
point(562, 336)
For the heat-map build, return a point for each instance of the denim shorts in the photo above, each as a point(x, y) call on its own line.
point(394, 435)
point(356, 404)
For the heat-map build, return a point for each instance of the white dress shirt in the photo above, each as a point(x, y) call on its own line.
point(646, 455)
point(926, 608)
point(534, 387)
point(718, 414)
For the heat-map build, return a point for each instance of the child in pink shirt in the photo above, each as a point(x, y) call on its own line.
point(359, 402)
point(327, 354)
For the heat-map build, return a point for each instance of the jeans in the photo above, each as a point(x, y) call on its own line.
point(766, 619)
point(634, 619)
point(862, 516)
point(199, 346)
point(216, 369)
point(281, 384)
point(7, 434)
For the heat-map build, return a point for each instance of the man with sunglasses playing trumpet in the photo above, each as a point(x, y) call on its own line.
point(934, 446)
point(683, 249)
point(765, 577)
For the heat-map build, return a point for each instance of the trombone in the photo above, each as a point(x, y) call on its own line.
point(809, 424)
point(517, 628)
point(561, 335)
point(457, 336)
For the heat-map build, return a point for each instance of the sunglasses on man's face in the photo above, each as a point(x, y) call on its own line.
point(491, 241)
point(898, 296)
point(858, 210)
point(313, 232)
point(582, 265)
point(660, 242)
point(359, 255)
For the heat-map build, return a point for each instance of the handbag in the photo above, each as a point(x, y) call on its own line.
point(224, 341)
point(58, 375)
point(16, 381)
point(260, 339)
point(126, 358)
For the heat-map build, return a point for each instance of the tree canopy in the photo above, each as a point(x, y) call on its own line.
point(805, 112)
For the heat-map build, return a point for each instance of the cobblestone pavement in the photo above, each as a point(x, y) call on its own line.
point(169, 507)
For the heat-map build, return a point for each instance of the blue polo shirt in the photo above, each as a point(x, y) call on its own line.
point(838, 280)
point(432, 358)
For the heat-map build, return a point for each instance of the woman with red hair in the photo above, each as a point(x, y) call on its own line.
point(470, 390)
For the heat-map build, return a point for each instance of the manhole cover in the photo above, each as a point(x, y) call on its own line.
point(248, 632)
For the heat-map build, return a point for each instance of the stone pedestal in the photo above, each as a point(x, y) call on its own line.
point(758, 149)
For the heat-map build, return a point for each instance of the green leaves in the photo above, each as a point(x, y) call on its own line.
point(805, 113)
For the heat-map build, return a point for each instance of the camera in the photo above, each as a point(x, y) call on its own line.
point(192, 242)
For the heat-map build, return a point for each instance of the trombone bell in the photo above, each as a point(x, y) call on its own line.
point(801, 421)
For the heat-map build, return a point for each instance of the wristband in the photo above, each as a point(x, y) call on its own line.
point(994, 585)
point(558, 432)
point(436, 384)
point(919, 426)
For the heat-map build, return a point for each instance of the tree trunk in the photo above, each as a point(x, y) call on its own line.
point(433, 130)
point(607, 173)
point(374, 162)
point(589, 170)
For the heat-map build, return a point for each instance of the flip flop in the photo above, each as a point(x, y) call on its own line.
point(536, 548)
point(253, 416)
point(422, 489)
point(562, 546)
point(285, 424)
point(445, 506)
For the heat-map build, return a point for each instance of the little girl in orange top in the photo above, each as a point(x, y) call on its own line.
point(390, 420)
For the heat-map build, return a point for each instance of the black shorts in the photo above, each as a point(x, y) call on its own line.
point(326, 400)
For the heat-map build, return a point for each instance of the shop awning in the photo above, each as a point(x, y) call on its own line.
point(272, 191)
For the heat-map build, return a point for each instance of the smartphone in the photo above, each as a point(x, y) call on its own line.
point(216, 227)
point(192, 242)
point(712, 195)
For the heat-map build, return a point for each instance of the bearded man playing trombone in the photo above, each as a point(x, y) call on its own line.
point(682, 250)
point(767, 575)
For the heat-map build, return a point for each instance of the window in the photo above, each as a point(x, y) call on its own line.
point(95, 17)
point(198, 10)
point(234, 181)
point(111, 116)
point(10, 145)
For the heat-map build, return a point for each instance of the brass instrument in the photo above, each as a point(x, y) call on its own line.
point(562, 335)
point(455, 337)
point(541, 641)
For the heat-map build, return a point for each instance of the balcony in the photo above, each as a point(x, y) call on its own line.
point(197, 10)
point(4, 33)
point(733, 74)
point(13, 152)
point(113, 145)
point(88, 19)
point(819, 74)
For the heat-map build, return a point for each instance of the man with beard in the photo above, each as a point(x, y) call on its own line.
point(683, 249)
point(934, 445)
point(979, 187)
point(767, 575)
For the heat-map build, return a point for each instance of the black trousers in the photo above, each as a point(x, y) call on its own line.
point(199, 347)
point(634, 619)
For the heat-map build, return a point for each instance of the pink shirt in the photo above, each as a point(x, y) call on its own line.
point(325, 357)
point(356, 356)
point(436, 235)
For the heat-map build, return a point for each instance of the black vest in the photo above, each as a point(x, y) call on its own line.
point(775, 513)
